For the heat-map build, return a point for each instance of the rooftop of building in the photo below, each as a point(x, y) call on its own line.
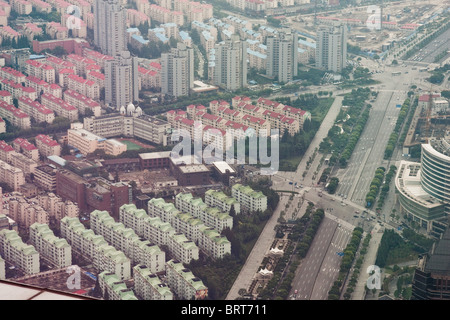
point(408, 183)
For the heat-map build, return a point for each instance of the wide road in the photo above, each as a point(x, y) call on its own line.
point(319, 268)
point(434, 48)
point(355, 179)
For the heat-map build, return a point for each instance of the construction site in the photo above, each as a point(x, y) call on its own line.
point(431, 120)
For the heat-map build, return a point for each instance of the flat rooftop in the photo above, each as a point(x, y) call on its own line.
point(408, 183)
point(223, 166)
point(154, 155)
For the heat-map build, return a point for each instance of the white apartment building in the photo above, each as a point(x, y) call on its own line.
point(27, 211)
point(24, 163)
point(12, 176)
point(159, 232)
point(162, 233)
point(41, 86)
point(45, 177)
point(87, 142)
point(282, 56)
point(109, 125)
point(143, 126)
point(216, 198)
point(6, 96)
point(86, 87)
point(2, 269)
point(12, 74)
point(331, 48)
point(230, 71)
point(183, 282)
point(55, 250)
point(110, 26)
point(95, 247)
point(110, 259)
point(183, 249)
point(158, 207)
point(83, 240)
point(213, 243)
point(114, 288)
point(56, 207)
point(148, 286)
point(210, 216)
point(6, 151)
point(133, 218)
point(126, 240)
point(121, 80)
point(15, 251)
point(248, 198)
point(177, 75)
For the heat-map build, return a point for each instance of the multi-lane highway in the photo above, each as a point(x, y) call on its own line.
point(317, 272)
point(355, 179)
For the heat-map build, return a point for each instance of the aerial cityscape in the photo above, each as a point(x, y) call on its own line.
point(226, 150)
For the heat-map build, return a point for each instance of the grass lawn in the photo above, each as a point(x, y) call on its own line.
point(321, 110)
point(131, 145)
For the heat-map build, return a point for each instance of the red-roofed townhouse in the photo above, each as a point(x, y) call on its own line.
point(47, 146)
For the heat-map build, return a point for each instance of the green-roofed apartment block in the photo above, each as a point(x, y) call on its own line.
point(183, 282)
point(54, 249)
point(113, 288)
point(15, 251)
point(216, 198)
point(211, 216)
point(125, 239)
point(249, 199)
point(148, 285)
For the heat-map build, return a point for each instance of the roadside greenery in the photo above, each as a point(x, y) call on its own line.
point(441, 28)
point(301, 237)
point(412, 110)
point(393, 138)
point(60, 124)
point(375, 187)
point(346, 263)
point(350, 123)
point(332, 185)
point(438, 75)
point(394, 249)
point(385, 188)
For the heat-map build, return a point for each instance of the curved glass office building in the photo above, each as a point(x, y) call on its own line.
point(435, 170)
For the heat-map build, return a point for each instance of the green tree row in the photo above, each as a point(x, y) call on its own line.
point(385, 188)
point(375, 186)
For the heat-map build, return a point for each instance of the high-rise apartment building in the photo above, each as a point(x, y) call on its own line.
point(121, 80)
point(331, 49)
point(230, 71)
point(177, 76)
point(110, 26)
point(282, 56)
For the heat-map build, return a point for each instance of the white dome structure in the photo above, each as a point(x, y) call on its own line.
point(130, 109)
point(122, 110)
point(138, 112)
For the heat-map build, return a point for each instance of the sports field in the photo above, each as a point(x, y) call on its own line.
point(131, 145)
